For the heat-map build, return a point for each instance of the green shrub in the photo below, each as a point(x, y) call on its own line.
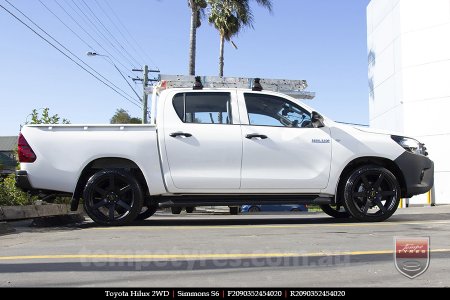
point(11, 195)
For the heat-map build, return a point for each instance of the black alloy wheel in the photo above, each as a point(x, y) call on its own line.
point(371, 194)
point(112, 197)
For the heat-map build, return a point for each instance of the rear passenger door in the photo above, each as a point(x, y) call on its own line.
point(202, 139)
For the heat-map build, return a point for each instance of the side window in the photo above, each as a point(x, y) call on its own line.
point(266, 110)
point(203, 108)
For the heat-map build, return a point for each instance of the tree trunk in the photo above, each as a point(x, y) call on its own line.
point(193, 39)
point(221, 60)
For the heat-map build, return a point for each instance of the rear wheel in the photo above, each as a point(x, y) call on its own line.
point(337, 211)
point(112, 197)
point(190, 209)
point(371, 194)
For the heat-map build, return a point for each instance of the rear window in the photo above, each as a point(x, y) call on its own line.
point(203, 108)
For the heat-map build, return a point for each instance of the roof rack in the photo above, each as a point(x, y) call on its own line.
point(293, 88)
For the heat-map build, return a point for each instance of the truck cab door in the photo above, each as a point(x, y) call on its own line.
point(202, 142)
point(281, 148)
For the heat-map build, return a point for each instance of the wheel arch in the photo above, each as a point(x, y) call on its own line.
point(371, 160)
point(106, 163)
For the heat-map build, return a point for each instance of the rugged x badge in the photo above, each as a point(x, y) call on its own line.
point(412, 255)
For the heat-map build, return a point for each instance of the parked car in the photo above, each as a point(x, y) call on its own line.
point(281, 207)
point(223, 143)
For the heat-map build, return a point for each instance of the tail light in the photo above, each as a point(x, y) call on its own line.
point(26, 154)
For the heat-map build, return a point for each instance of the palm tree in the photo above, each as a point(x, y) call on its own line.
point(229, 17)
point(197, 10)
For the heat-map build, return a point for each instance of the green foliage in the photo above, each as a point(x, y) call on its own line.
point(229, 16)
point(123, 117)
point(46, 118)
point(11, 195)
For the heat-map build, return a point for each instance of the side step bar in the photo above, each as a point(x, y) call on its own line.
point(237, 200)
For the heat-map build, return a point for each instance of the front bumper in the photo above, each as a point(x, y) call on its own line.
point(22, 181)
point(418, 172)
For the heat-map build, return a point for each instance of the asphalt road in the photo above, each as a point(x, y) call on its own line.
point(204, 250)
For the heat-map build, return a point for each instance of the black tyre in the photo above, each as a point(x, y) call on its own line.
point(234, 210)
point(371, 194)
point(112, 197)
point(176, 210)
point(254, 209)
point(146, 212)
point(190, 209)
point(337, 211)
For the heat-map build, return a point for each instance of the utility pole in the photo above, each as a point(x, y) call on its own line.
point(145, 80)
point(145, 96)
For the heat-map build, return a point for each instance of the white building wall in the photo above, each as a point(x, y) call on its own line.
point(409, 77)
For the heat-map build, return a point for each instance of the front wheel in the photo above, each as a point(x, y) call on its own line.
point(112, 197)
point(337, 211)
point(371, 194)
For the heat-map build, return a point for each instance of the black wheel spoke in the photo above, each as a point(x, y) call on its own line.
point(380, 205)
point(366, 207)
point(124, 205)
point(377, 183)
point(365, 181)
point(387, 193)
point(125, 189)
point(112, 210)
point(100, 203)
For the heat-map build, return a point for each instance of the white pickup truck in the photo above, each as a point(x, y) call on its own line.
point(212, 145)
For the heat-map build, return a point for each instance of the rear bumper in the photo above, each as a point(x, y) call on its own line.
point(22, 181)
point(418, 172)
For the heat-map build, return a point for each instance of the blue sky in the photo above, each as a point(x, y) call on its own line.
point(322, 41)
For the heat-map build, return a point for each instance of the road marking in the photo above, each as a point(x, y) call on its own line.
point(202, 256)
point(201, 227)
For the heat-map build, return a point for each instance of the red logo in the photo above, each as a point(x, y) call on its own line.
point(412, 255)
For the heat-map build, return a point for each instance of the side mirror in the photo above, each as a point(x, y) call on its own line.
point(317, 120)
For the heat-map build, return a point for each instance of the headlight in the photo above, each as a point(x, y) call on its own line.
point(410, 145)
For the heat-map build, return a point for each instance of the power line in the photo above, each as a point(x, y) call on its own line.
point(87, 32)
point(67, 56)
point(67, 26)
point(120, 32)
point(131, 36)
point(65, 48)
point(102, 35)
point(89, 47)
point(110, 34)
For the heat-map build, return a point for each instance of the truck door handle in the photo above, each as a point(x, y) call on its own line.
point(255, 135)
point(185, 134)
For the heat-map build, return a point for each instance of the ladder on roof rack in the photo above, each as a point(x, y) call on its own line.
point(293, 88)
